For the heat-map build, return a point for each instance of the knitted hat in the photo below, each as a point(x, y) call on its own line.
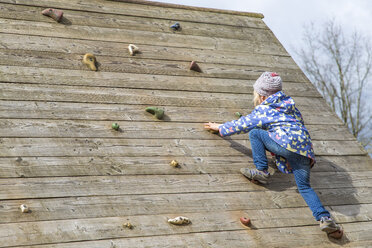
point(268, 83)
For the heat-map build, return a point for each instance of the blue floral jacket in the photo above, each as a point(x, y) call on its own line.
point(279, 116)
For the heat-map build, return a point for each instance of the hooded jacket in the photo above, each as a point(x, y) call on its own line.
point(283, 121)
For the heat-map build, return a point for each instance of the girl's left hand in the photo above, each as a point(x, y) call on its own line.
point(212, 126)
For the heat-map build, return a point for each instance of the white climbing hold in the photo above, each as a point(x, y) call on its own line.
point(24, 208)
point(180, 220)
point(132, 49)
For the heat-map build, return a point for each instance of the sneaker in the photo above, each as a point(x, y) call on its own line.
point(328, 225)
point(254, 174)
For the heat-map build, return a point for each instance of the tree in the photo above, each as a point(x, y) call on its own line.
point(340, 66)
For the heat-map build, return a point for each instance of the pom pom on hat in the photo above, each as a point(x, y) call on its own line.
point(268, 83)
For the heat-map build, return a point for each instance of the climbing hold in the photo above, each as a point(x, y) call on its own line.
point(176, 26)
point(180, 220)
point(194, 67)
point(24, 208)
point(128, 225)
point(245, 221)
point(133, 49)
point(55, 14)
point(337, 234)
point(115, 126)
point(90, 60)
point(238, 114)
point(158, 112)
point(174, 163)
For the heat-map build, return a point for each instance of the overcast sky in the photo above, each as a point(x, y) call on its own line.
point(286, 18)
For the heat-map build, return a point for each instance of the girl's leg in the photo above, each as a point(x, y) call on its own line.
point(260, 140)
point(258, 149)
point(301, 170)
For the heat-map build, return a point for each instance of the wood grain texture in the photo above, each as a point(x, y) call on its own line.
point(51, 76)
point(124, 96)
point(124, 22)
point(140, 130)
point(346, 205)
point(133, 65)
point(312, 114)
point(358, 237)
point(107, 7)
point(100, 166)
point(139, 37)
point(119, 49)
point(19, 188)
point(14, 147)
point(112, 227)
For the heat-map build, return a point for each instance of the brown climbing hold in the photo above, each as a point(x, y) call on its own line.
point(55, 14)
point(194, 67)
point(90, 60)
point(245, 221)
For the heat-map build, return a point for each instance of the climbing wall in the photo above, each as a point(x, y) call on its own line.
point(93, 167)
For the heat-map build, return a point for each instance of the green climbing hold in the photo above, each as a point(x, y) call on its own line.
point(115, 126)
point(238, 114)
point(158, 112)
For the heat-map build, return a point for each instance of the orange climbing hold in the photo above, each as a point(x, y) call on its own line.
point(245, 221)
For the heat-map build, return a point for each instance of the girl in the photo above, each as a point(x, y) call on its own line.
point(276, 125)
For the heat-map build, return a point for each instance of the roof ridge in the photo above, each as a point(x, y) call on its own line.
point(179, 6)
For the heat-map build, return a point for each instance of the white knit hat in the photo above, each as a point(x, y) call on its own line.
point(268, 83)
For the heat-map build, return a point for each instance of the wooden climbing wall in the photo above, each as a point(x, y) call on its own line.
point(83, 181)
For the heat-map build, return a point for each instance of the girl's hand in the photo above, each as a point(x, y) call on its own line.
point(212, 126)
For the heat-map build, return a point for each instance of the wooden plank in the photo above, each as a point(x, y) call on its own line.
point(99, 166)
point(98, 6)
point(139, 37)
point(133, 65)
point(346, 204)
point(111, 228)
point(135, 130)
point(50, 76)
point(180, 6)
point(308, 237)
point(343, 163)
point(85, 147)
point(19, 188)
point(94, 19)
point(312, 113)
point(76, 46)
point(83, 94)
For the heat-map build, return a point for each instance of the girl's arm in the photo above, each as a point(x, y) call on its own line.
point(256, 119)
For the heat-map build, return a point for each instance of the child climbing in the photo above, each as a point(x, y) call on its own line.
point(276, 125)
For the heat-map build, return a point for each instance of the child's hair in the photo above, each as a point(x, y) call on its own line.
point(256, 98)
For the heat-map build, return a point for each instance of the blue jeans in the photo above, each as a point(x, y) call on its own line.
point(261, 141)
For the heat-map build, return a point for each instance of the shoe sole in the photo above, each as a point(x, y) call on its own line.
point(329, 229)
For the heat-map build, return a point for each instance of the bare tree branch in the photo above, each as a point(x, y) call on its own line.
point(340, 66)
